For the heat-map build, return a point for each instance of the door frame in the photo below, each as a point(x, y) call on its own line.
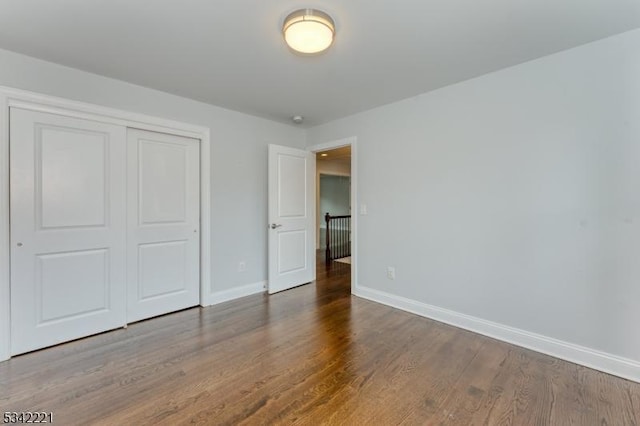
point(17, 98)
point(353, 142)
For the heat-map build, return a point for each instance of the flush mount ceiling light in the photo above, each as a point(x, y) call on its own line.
point(308, 31)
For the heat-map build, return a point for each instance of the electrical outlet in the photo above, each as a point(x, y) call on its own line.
point(391, 272)
point(242, 266)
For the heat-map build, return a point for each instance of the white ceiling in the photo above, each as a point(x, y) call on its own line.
point(231, 53)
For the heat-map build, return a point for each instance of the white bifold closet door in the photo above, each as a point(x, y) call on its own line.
point(68, 228)
point(163, 223)
point(104, 227)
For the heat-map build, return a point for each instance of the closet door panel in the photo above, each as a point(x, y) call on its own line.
point(68, 228)
point(163, 224)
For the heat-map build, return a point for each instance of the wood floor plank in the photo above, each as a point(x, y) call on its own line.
point(311, 355)
point(468, 393)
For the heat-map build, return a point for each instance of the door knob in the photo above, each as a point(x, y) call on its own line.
point(274, 226)
point(19, 244)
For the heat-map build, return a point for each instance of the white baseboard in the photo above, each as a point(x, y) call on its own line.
point(591, 358)
point(236, 293)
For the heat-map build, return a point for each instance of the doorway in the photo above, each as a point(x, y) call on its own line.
point(333, 204)
point(336, 192)
point(293, 222)
point(334, 214)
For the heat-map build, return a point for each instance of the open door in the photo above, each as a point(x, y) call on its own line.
point(291, 217)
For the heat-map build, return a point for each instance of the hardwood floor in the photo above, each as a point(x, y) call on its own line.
point(311, 355)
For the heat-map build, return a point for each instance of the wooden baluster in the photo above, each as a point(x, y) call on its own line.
point(346, 236)
point(336, 230)
point(339, 238)
point(339, 231)
point(334, 240)
point(327, 220)
point(342, 237)
point(349, 235)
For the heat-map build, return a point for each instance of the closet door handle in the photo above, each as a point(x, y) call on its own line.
point(274, 226)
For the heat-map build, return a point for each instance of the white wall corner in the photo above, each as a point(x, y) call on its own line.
point(236, 293)
point(602, 361)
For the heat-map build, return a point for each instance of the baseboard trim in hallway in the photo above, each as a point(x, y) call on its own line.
point(577, 354)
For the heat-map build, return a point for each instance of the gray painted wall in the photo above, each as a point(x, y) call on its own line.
point(513, 197)
point(334, 196)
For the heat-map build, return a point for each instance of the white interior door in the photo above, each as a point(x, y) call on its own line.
point(163, 248)
point(291, 217)
point(68, 224)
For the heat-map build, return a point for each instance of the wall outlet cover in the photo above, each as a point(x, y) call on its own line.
point(391, 272)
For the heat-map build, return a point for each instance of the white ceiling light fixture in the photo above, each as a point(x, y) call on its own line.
point(308, 31)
